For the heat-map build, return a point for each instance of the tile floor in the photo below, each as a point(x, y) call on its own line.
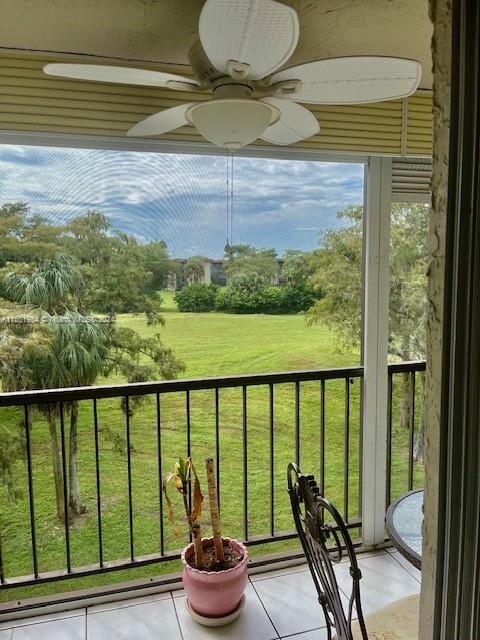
point(280, 604)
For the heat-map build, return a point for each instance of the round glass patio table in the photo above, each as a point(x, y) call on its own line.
point(404, 525)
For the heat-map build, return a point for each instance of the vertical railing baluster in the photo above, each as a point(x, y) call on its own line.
point(388, 497)
point(129, 477)
point(346, 450)
point(160, 473)
point(411, 438)
point(322, 437)
point(189, 441)
point(65, 488)
point(2, 573)
point(245, 462)
point(272, 461)
point(297, 423)
point(360, 452)
point(217, 443)
point(31, 506)
point(98, 482)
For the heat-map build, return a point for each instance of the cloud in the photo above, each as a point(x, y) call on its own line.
point(182, 198)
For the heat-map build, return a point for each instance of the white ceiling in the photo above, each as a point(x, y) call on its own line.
point(160, 31)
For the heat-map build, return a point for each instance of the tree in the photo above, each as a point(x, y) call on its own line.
point(24, 237)
point(52, 286)
point(249, 264)
point(338, 273)
point(49, 289)
point(157, 262)
point(89, 238)
point(297, 266)
point(112, 265)
point(78, 350)
point(193, 269)
point(21, 344)
point(11, 230)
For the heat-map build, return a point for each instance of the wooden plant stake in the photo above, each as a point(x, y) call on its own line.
point(214, 513)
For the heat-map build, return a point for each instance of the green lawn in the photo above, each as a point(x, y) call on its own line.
point(210, 345)
point(168, 301)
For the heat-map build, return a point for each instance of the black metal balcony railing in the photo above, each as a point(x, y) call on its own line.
point(405, 428)
point(311, 417)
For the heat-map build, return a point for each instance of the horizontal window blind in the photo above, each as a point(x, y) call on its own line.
point(411, 178)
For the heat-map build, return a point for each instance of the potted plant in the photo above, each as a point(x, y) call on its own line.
point(214, 569)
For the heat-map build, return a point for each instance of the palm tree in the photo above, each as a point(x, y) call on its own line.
point(26, 363)
point(52, 287)
point(194, 269)
point(62, 358)
point(79, 348)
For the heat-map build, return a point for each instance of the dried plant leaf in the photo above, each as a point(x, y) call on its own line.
point(168, 478)
point(179, 484)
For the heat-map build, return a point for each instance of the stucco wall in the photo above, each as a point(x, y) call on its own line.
point(441, 15)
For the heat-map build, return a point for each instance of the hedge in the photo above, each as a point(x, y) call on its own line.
point(196, 298)
point(278, 300)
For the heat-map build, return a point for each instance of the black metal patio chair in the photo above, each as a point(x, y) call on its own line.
point(325, 540)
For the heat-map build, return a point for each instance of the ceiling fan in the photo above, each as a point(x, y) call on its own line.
point(241, 45)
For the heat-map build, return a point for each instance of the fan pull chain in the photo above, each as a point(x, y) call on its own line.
point(231, 200)
point(228, 204)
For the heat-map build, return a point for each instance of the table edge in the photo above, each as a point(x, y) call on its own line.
point(410, 554)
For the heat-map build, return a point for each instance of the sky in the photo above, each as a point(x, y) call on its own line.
point(181, 199)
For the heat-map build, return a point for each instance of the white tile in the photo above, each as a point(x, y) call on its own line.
point(316, 634)
point(131, 602)
point(148, 621)
point(408, 566)
point(367, 554)
point(48, 617)
point(291, 602)
point(6, 634)
point(255, 577)
point(252, 624)
point(61, 629)
point(383, 581)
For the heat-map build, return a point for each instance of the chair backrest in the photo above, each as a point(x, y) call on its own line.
point(325, 541)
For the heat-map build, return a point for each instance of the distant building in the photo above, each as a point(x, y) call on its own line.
point(213, 273)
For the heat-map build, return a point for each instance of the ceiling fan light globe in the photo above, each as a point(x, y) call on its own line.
point(233, 122)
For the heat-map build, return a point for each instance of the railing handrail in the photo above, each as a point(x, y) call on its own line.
point(69, 394)
point(407, 366)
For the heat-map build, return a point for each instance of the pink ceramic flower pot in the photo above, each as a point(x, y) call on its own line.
point(215, 594)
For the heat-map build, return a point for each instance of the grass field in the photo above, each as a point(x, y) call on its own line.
point(210, 345)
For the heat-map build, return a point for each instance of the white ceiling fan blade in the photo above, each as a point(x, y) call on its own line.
point(352, 80)
point(120, 75)
point(295, 123)
point(161, 122)
point(260, 33)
